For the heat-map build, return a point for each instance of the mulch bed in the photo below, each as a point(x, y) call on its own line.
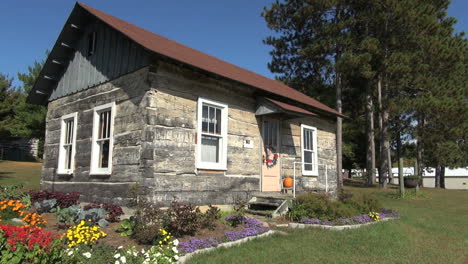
point(114, 239)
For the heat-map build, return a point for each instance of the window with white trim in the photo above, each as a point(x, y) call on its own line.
point(309, 150)
point(212, 130)
point(103, 127)
point(66, 160)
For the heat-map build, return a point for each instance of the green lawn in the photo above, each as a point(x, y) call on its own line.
point(27, 173)
point(433, 229)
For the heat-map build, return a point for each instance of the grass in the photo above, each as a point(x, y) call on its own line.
point(433, 229)
point(27, 173)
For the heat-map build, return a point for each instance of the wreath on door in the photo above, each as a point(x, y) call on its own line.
point(271, 159)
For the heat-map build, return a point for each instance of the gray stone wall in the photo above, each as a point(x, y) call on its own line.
point(170, 142)
point(326, 151)
point(129, 93)
point(155, 140)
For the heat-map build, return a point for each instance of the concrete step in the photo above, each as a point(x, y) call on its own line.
point(264, 204)
point(259, 212)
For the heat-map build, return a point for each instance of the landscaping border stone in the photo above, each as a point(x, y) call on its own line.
point(186, 257)
point(336, 228)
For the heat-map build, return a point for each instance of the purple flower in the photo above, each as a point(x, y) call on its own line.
point(389, 213)
point(253, 227)
point(235, 219)
point(194, 244)
point(310, 221)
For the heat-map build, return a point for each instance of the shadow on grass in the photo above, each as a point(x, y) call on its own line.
point(6, 174)
point(357, 183)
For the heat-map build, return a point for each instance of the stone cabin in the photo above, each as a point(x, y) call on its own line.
point(127, 106)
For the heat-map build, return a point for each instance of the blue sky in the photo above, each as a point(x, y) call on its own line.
point(230, 30)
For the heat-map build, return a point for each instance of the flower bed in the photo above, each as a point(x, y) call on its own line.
point(360, 219)
point(252, 227)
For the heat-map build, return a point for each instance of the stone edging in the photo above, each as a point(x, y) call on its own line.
point(336, 228)
point(186, 257)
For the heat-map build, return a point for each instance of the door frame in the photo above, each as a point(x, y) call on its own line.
point(278, 144)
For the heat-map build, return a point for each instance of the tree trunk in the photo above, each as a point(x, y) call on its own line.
point(437, 177)
point(379, 103)
point(390, 173)
point(442, 177)
point(370, 152)
point(419, 152)
point(339, 127)
point(400, 167)
point(384, 143)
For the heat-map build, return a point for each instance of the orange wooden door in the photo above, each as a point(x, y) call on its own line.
point(271, 159)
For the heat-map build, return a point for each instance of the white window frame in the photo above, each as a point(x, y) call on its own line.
point(314, 171)
point(61, 159)
point(95, 170)
point(222, 164)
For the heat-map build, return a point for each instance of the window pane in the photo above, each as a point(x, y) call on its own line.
point(205, 119)
point(104, 154)
point(218, 121)
point(108, 124)
point(68, 156)
point(265, 134)
point(211, 117)
point(210, 149)
point(307, 159)
point(101, 125)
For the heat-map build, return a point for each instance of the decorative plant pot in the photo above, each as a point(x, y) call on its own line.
point(411, 182)
point(288, 182)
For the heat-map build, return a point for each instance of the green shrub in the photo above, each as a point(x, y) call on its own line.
point(184, 219)
point(364, 203)
point(147, 235)
point(319, 206)
point(127, 227)
point(209, 218)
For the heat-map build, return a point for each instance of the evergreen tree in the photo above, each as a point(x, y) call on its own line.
point(9, 98)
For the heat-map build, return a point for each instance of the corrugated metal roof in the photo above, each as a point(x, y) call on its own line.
point(198, 59)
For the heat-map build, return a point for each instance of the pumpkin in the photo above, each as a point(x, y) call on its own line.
point(288, 182)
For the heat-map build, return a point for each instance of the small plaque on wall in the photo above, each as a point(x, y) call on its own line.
point(248, 143)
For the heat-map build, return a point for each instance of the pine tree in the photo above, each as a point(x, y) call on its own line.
point(9, 98)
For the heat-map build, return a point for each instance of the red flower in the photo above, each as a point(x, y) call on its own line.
point(27, 236)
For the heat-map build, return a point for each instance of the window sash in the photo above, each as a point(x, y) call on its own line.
point(309, 150)
point(102, 145)
point(66, 157)
point(212, 130)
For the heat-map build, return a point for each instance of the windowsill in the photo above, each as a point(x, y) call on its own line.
point(65, 173)
point(310, 174)
point(100, 173)
point(212, 168)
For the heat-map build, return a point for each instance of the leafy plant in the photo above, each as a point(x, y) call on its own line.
point(148, 234)
point(184, 219)
point(127, 226)
point(364, 203)
point(93, 215)
point(113, 211)
point(209, 218)
point(64, 200)
point(45, 206)
point(10, 192)
point(319, 206)
point(68, 215)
